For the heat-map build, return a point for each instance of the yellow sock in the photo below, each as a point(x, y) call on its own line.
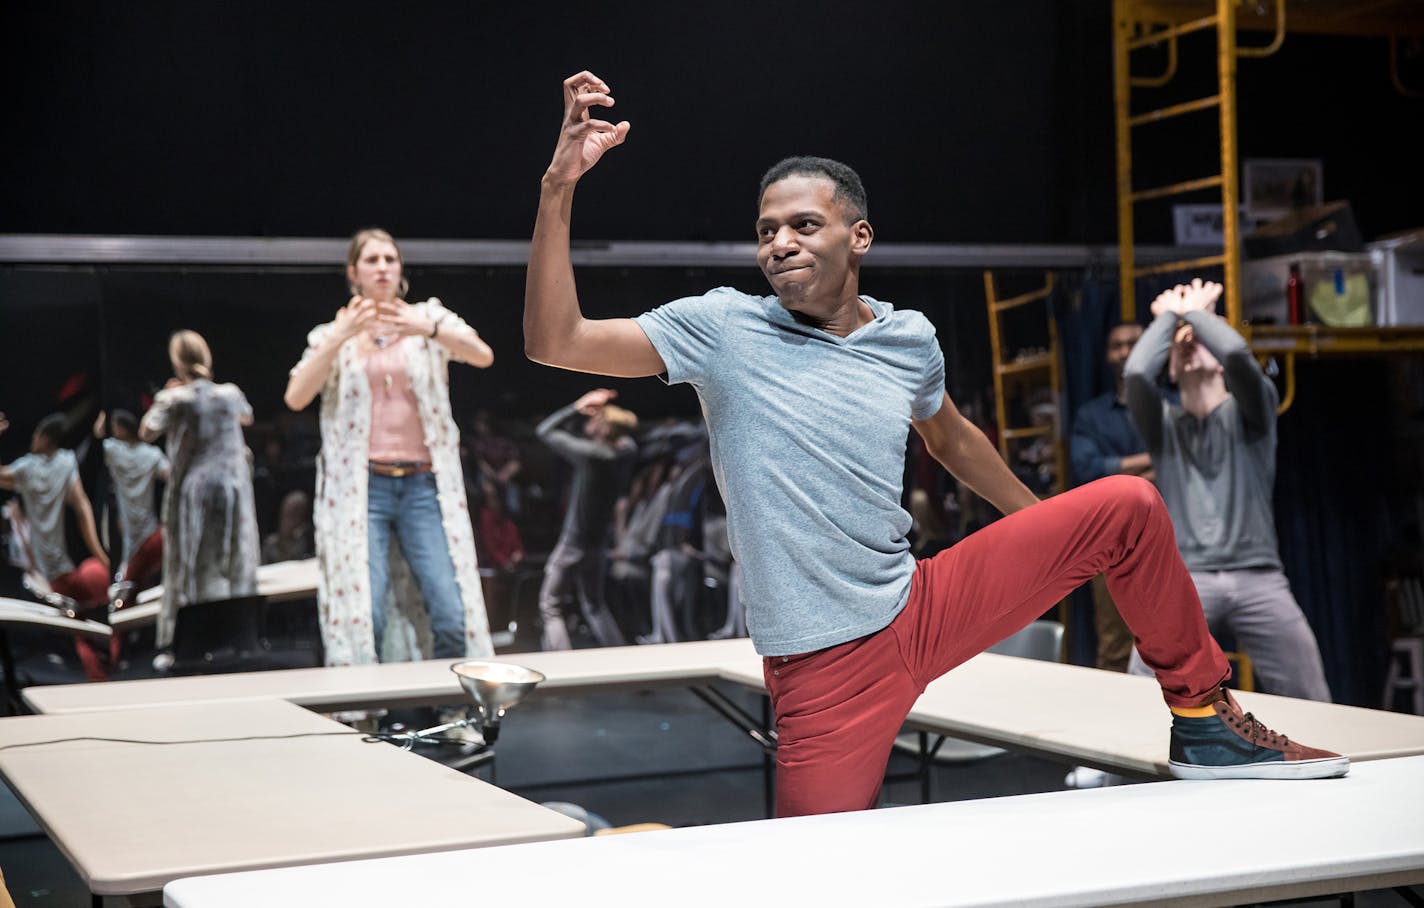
point(1193, 712)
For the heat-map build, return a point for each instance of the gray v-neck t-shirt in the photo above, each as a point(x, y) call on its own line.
point(808, 434)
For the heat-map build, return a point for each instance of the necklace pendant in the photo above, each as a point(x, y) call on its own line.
point(388, 381)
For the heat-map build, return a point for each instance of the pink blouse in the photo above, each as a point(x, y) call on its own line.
point(396, 431)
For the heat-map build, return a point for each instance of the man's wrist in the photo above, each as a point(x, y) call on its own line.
point(553, 183)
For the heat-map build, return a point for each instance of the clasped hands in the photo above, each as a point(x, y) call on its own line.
point(1198, 296)
point(381, 317)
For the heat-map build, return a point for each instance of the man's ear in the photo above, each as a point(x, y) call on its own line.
point(861, 236)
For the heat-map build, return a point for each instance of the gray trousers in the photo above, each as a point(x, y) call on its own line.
point(570, 565)
point(1256, 609)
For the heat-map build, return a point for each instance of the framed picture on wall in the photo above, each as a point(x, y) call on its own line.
point(1201, 225)
point(1273, 187)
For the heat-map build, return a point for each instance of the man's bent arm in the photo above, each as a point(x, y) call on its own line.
point(84, 512)
point(555, 331)
point(964, 451)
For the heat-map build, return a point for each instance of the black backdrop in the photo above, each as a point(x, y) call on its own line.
point(970, 121)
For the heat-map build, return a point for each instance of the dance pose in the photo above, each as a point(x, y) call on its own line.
point(809, 395)
point(1215, 454)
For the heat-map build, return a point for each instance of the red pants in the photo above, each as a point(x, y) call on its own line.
point(146, 561)
point(88, 586)
point(838, 709)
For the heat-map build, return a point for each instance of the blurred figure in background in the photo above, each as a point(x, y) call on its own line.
point(292, 540)
point(598, 453)
point(47, 480)
point(136, 468)
point(1104, 442)
point(496, 460)
point(211, 546)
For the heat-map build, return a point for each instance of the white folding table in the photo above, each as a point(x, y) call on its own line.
point(1169, 844)
point(273, 785)
point(1080, 715)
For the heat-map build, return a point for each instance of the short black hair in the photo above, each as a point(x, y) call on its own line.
point(125, 420)
point(849, 189)
point(52, 427)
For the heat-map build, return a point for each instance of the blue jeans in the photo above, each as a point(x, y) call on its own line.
point(407, 505)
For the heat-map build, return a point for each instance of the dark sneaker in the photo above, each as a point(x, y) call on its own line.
point(1235, 745)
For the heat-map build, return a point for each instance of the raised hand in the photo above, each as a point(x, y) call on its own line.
point(354, 317)
point(404, 318)
point(1200, 296)
point(1168, 301)
point(583, 139)
point(594, 400)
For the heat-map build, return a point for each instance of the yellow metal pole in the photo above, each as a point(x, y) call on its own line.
point(1230, 172)
point(996, 347)
point(1122, 36)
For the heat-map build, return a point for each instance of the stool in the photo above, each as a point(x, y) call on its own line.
point(1410, 652)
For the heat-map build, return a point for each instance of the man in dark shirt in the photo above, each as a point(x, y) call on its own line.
point(598, 454)
point(1104, 443)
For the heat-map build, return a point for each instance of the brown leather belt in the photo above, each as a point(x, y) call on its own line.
point(398, 468)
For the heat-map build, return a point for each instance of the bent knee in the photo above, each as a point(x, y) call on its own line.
point(1132, 492)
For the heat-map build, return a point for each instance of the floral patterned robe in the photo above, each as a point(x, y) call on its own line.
point(339, 508)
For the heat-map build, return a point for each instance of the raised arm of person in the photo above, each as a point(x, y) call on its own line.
point(1144, 364)
point(1256, 396)
point(963, 450)
point(555, 331)
point(552, 432)
point(84, 512)
point(309, 376)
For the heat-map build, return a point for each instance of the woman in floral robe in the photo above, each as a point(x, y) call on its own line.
point(389, 506)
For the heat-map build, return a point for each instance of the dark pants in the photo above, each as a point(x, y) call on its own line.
point(571, 564)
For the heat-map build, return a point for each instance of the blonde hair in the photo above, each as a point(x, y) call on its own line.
point(190, 355)
point(620, 421)
point(353, 255)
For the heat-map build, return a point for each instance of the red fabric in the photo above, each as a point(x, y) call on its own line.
point(500, 538)
point(146, 562)
point(88, 586)
point(838, 709)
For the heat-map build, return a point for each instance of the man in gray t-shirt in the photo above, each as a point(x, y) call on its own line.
point(809, 396)
point(1215, 456)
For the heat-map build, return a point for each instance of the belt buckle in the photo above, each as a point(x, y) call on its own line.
point(398, 471)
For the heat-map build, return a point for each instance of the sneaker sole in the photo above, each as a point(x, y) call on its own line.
point(1324, 768)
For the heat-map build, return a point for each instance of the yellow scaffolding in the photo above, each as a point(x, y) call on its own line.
point(1020, 371)
point(1152, 23)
